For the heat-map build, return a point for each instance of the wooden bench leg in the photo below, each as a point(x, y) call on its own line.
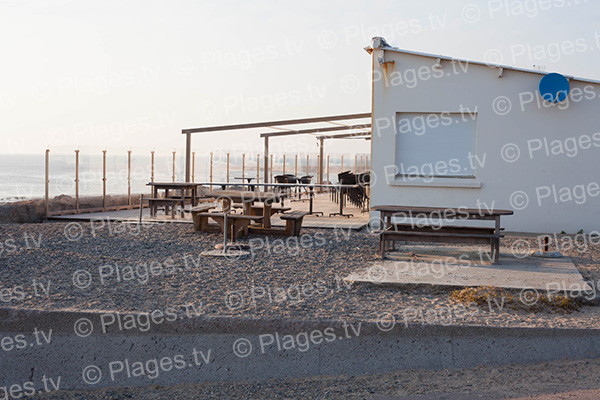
point(496, 249)
point(298, 227)
point(382, 246)
point(200, 223)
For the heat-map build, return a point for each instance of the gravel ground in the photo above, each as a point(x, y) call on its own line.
point(154, 267)
point(489, 383)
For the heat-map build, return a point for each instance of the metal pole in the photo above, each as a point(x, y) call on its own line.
point(77, 181)
point(227, 167)
point(47, 179)
point(129, 178)
point(284, 164)
point(104, 180)
point(173, 166)
point(193, 166)
point(243, 166)
point(188, 152)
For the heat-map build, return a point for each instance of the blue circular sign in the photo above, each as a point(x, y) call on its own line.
point(554, 88)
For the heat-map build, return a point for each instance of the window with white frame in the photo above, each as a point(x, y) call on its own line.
point(436, 145)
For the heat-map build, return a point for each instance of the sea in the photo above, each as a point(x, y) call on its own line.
point(22, 176)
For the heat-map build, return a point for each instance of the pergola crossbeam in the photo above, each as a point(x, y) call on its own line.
point(315, 130)
point(276, 125)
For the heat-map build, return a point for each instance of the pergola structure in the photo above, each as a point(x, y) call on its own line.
point(326, 124)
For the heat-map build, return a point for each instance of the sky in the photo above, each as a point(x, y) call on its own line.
point(121, 75)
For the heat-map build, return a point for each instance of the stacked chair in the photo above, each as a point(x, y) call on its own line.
point(356, 196)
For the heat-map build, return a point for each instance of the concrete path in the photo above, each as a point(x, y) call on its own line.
point(443, 265)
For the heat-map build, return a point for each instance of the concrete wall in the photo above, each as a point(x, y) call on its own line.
point(232, 349)
point(476, 88)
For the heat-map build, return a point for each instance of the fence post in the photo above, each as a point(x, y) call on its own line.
point(152, 166)
point(47, 179)
point(211, 170)
point(77, 180)
point(193, 166)
point(257, 168)
point(173, 166)
point(129, 178)
point(227, 167)
point(307, 165)
point(319, 172)
point(104, 180)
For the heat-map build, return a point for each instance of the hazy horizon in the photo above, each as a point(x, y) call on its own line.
point(117, 75)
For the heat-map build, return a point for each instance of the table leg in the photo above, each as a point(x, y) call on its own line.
point(496, 241)
point(247, 208)
point(341, 213)
point(311, 195)
point(153, 208)
point(194, 193)
point(267, 214)
point(182, 203)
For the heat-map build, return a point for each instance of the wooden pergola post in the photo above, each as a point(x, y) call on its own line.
point(320, 180)
point(266, 161)
point(188, 155)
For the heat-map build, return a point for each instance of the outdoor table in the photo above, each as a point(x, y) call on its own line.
point(423, 231)
point(310, 186)
point(247, 199)
point(182, 187)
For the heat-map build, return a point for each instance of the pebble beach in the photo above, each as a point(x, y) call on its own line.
point(142, 268)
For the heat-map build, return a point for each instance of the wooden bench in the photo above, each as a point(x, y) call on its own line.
point(168, 203)
point(237, 224)
point(201, 223)
point(293, 222)
point(439, 234)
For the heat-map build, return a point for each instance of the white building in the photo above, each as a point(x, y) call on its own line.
point(454, 133)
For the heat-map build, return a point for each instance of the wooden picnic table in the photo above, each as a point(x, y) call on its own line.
point(428, 232)
point(247, 199)
point(310, 186)
point(182, 187)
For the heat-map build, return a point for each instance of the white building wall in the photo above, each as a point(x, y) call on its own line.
point(498, 180)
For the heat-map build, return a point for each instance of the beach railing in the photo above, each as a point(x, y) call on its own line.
point(278, 164)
